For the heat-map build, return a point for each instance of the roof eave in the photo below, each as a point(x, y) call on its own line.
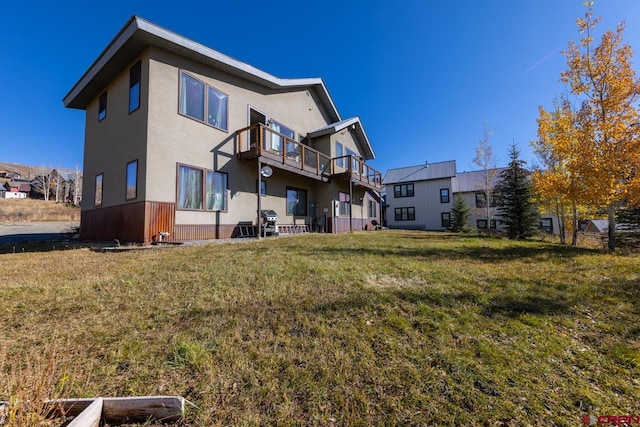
point(137, 34)
point(337, 127)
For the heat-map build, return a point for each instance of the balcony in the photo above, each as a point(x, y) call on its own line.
point(259, 142)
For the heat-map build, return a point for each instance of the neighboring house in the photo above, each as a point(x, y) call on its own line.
point(16, 189)
point(471, 187)
point(598, 226)
point(181, 139)
point(421, 197)
point(9, 174)
point(63, 185)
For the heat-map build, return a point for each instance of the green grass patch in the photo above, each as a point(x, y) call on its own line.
point(400, 328)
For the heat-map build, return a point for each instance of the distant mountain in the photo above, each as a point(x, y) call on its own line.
point(30, 172)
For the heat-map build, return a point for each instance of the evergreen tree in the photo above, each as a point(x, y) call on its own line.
point(516, 209)
point(460, 215)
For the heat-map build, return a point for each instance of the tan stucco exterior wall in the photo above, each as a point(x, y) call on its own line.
point(174, 138)
point(160, 138)
point(115, 141)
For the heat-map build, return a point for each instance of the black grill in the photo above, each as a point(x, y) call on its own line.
point(269, 222)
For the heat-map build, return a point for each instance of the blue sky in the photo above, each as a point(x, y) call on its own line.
point(424, 76)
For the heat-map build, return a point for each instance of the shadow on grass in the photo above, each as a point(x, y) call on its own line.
point(507, 252)
point(25, 247)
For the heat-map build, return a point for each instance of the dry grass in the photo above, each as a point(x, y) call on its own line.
point(19, 210)
point(28, 384)
point(373, 328)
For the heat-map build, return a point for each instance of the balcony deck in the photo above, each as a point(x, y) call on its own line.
point(259, 142)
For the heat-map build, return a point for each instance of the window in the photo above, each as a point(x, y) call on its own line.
point(547, 225)
point(296, 201)
point(481, 200)
point(446, 219)
point(405, 214)
point(102, 107)
point(339, 154)
point(345, 204)
point(134, 87)
point(444, 195)
point(216, 191)
point(373, 209)
point(354, 160)
point(132, 180)
point(198, 100)
point(98, 195)
point(277, 140)
point(481, 224)
point(403, 190)
point(194, 193)
point(263, 187)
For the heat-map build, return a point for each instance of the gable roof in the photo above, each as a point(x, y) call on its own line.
point(343, 124)
point(20, 186)
point(597, 226)
point(137, 34)
point(424, 172)
point(473, 181)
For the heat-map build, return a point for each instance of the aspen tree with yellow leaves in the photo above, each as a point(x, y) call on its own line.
point(559, 149)
point(607, 150)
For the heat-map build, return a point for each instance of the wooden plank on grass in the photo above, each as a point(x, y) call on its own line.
point(142, 408)
point(90, 417)
point(70, 407)
point(161, 408)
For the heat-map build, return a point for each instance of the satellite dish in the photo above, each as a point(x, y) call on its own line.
point(266, 171)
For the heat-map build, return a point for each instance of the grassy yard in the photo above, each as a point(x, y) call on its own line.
point(374, 328)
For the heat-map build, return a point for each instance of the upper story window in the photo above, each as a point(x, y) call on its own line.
point(102, 106)
point(199, 101)
point(481, 200)
point(403, 190)
point(132, 180)
point(354, 160)
point(444, 195)
point(277, 141)
point(339, 154)
point(134, 87)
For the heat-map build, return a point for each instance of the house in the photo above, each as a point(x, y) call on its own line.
point(597, 226)
point(16, 189)
point(421, 197)
point(184, 142)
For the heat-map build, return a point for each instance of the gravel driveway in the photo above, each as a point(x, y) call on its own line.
point(23, 232)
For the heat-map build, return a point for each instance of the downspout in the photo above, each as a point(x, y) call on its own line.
point(259, 194)
point(350, 204)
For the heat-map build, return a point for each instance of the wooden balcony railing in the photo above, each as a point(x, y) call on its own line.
point(357, 170)
point(261, 141)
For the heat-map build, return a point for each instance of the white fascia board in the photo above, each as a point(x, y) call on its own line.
point(186, 47)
